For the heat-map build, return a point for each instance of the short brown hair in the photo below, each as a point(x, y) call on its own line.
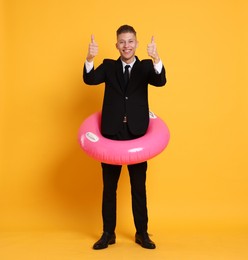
point(125, 29)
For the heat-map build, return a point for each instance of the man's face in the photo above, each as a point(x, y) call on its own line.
point(126, 45)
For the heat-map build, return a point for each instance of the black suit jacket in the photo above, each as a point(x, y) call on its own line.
point(133, 102)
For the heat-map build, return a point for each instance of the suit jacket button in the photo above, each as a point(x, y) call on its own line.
point(126, 98)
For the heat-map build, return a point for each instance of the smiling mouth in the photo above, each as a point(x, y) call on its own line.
point(127, 51)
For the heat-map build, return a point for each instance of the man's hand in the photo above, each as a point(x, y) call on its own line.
point(93, 49)
point(152, 51)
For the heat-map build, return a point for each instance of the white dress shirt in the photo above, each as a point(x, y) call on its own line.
point(157, 66)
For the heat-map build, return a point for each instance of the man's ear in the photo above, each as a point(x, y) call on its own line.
point(116, 46)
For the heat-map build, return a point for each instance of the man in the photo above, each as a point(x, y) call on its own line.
point(125, 116)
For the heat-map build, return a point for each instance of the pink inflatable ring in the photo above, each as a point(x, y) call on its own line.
point(123, 152)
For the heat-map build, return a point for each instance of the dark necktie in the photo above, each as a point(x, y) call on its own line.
point(126, 75)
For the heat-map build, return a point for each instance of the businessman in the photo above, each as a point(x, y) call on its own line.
point(125, 116)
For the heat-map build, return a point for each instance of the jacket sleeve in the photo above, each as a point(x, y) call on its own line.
point(156, 79)
point(95, 76)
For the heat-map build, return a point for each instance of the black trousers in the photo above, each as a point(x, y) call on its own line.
point(137, 174)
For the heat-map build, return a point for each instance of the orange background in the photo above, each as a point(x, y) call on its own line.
point(199, 181)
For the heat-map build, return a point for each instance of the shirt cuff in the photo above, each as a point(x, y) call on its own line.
point(89, 66)
point(158, 67)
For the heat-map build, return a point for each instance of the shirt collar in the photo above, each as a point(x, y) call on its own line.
point(131, 64)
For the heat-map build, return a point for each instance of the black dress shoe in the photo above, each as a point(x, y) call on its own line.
point(105, 240)
point(144, 240)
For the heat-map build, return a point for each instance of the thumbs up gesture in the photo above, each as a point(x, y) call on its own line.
point(152, 50)
point(92, 50)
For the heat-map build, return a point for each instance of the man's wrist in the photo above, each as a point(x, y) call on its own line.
point(90, 59)
point(156, 60)
point(158, 66)
point(89, 65)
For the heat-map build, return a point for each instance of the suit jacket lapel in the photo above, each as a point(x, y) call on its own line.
point(120, 75)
